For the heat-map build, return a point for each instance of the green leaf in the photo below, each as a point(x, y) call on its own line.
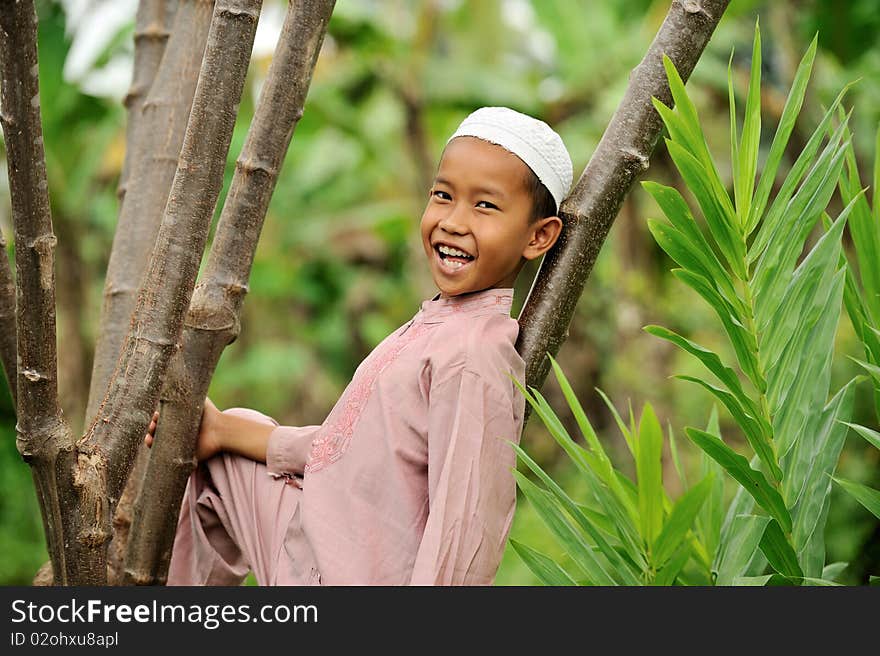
point(854, 302)
point(743, 341)
point(670, 571)
point(677, 211)
point(578, 411)
point(833, 570)
point(780, 205)
point(779, 552)
point(734, 139)
point(877, 175)
point(747, 153)
point(872, 369)
point(773, 274)
point(865, 232)
point(738, 467)
point(580, 551)
point(546, 569)
point(684, 128)
point(627, 434)
point(613, 505)
point(601, 466)
point(679, 522)
point(760, 581)
point(868, 497)
point(790, 112)
point(711, 361)
point(649, 471)
point(801, 378)
point(808, 468)
point(755, 429)
point(711, 515)
point(872, 436)
point(803, 301)
point(736, 552)
point(585, 518)
point(676, 461)
point(818, 581)
point(714, 204)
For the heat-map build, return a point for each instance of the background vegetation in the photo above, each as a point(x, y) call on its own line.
point(340, 263)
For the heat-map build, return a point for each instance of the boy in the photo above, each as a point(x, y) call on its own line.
point(408, 480)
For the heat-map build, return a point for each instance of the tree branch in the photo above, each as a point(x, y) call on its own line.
point(107, 449)
point(8, 349)
point(152, 27)
point(156, 147)
point(213, 319)
point(44, 438)
point(153, 24)
point(590, 209)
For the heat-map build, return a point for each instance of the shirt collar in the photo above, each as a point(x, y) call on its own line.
point(487, 301)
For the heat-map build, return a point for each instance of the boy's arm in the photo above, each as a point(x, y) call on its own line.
point(246, 432)
point(472, 492)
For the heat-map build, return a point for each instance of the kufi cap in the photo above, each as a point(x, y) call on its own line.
point(530, 139)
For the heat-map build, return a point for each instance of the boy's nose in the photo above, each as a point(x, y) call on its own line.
point(454, 220)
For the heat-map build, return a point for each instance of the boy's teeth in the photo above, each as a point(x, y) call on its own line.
point(447, 250)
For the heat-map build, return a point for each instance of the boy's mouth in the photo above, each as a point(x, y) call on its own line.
point(452, 260)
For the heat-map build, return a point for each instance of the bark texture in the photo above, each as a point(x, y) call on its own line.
point(153, 24)
point(106, 451)
point(213, 319)
point(591, 207)
point(43, 437)
point(8, 349)
point(156, 148)
point(152, 27)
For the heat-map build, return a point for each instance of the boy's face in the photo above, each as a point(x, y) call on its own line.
point(479, 204)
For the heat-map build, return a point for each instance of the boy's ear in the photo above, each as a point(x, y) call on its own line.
point(544, 234)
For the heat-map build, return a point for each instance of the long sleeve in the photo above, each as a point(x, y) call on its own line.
point(472, 492)
point(288, 449)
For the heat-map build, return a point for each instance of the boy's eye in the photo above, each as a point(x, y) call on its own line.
point(442, 195)
point(485, 204)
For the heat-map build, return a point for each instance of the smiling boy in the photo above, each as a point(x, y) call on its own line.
point(408, 480)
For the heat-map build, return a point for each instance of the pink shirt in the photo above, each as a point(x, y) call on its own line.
point(408, 480)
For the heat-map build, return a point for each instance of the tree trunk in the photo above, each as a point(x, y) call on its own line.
point(43, 437)
point(214, 314)
point(153, 24)
point(590, 209)
point(155, 148)
point(8, 349)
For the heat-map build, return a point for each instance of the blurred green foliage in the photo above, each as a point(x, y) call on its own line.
point(340, 263)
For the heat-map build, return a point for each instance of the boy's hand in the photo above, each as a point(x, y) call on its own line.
point(208, 443)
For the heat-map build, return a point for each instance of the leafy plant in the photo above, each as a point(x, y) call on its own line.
point(626, 532)
point(862, 299)
point(779, 302)
point(779, 315)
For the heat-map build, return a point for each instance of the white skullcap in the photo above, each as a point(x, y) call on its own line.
point(530, 139)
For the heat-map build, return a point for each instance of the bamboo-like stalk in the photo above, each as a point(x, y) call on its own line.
point(156, 147)
point(8, 349)
point(152, 27)
point(153, 24)
point(213, 319)
point(43, 437)
point(107, 449)
point(590, 209)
